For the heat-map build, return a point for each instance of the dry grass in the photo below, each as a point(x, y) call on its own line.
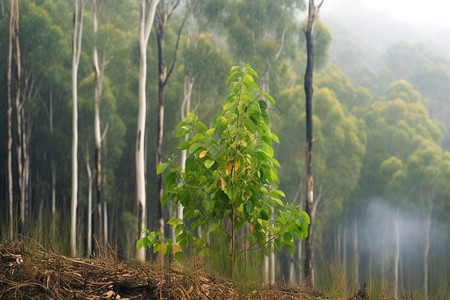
point(31, 272)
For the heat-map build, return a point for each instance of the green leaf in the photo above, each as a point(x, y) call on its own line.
point(161, 168)
point(268, 97)
point(194, 147)
point(209, 163)
point(249, 77)
point(179, 228)
point(174, 221)
point(277, 192)
point(251, 71)
point(263, 215)
point(277, 244)
point(262, 105)
point(163, 248)
point(164, 199)
point(227, 106)
point(276, 162)
point(275, 137)
point(182, 132)
point(200, 126)
point(232, 76)
point(139, 244)
point(287, 236)
point(170, 179)
point(179, 257)
point(290, 248)
point(278, 201)
point(183, 145)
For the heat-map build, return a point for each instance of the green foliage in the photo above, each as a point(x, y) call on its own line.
point(230, 183)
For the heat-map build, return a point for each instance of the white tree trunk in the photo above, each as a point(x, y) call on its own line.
point(397, 252)
point(145, 25)
point(89, 220)
point(355, 248)
point(266, 267)
point(12, 23)
point(292, 271)
point(76, 49)
point(426, 250)
point(185, 108)
point(105, 225)
point(272, 265)
point(14, 26)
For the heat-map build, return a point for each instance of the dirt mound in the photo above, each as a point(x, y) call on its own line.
point(35, 273)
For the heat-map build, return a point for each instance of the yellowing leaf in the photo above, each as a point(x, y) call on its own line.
point(229, 167)
point(221, 183)
point(238, 164)
point(202, 154)
point(242, 143)
point(176, 248)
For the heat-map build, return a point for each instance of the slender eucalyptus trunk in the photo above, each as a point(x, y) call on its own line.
point(164, 73)
point(97, 132)
point(426, 251)
point(76, 50)
point(105, 225)
point(188, 87)
point(15, 52)
point(313, 12)
point(185, 108)
point(89, 219)
point(355, 249)
point(266, 267)
point(13, 28)
point(145, 25)
point(161, 24)
point(397, 252)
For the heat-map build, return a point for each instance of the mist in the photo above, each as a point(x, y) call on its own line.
point(377, 244)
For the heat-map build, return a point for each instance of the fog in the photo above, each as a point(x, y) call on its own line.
point(387, 21)
point(377, 244)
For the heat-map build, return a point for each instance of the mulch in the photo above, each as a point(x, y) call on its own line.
point(32, 272)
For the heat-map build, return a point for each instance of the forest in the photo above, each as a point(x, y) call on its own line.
point(76, 96)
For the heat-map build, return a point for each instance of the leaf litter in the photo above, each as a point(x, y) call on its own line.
point(32, 272)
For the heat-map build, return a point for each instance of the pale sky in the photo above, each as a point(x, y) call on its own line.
point(428, 13)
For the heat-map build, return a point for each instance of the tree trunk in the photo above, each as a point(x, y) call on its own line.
point(13, 28)
point(164, 74)
point(15, 52)
point(161, 24)
point(76, 50)
point(53, 162)
point(97, 132)
point(426, 251)
point(105, 226)
point(185, 108)
point(145, 25)
point(272, 264)
point(397, 252)
point(266, 267)
point(355, 248)
point(188, 87)
point(89, 214)
point(313, 11)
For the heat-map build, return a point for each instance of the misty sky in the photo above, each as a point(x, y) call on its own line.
point(418, 13)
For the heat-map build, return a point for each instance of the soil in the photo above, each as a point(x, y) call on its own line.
point(31, 272)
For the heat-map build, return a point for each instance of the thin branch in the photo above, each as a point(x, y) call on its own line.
point(105, 131)
point(174, 56)
point(320, 5)
point(281, 43)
